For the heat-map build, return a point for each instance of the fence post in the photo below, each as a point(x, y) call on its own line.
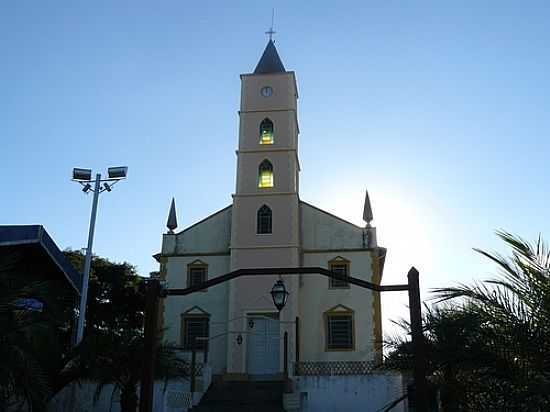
point(193, 364)
point(285, 359)
point(297, 339)
point(417, 337)
point(150, 345)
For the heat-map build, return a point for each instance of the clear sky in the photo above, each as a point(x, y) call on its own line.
point(439, 109)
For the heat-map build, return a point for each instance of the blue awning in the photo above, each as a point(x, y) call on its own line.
point(34, 238)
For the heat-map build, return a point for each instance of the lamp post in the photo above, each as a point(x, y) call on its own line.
point(84, 177)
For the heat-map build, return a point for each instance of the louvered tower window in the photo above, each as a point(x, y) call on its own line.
point(264, 222)
point(265, 174)
point(266, 131)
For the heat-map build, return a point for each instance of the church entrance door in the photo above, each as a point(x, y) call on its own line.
point(263, 346)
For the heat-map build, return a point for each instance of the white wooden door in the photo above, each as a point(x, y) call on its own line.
point(263, 346)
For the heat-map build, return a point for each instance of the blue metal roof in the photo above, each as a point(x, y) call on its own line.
point(37, 236)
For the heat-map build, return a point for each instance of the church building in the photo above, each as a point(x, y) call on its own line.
point(268, 225)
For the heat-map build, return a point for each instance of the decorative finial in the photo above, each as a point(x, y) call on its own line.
point(172, 222)
point(270, 32)
point(367, 211)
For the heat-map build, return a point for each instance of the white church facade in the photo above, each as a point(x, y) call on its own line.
point(268, 225)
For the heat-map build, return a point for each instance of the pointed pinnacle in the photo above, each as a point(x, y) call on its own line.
point(367, 211)
point(172, 222)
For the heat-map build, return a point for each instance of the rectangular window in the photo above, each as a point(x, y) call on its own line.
point(194, 327)
point(340, 268)
point(196, 275)
point(339, 332)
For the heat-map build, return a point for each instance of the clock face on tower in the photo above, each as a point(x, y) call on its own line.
point(266, 91)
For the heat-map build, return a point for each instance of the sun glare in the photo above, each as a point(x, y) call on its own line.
point(403, 228)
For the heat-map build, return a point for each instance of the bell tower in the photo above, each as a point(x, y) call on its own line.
point(265, 214)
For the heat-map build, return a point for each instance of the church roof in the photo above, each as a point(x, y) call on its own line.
point(270, 62)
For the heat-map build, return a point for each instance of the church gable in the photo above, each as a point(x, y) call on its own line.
point(210, 235)
point(322, 230)
point(196, 310)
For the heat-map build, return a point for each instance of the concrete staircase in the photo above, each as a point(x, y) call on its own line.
point(242, 397)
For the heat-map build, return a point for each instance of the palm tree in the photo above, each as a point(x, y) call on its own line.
point(33, 317)
point(452, 336)
point(514, 309)
point(488, 344)
point(106, 358)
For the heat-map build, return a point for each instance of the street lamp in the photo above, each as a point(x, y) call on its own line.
point(279, 294)
point(84, 177)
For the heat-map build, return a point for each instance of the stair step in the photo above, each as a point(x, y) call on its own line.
point(225, 407)
point(242, 397)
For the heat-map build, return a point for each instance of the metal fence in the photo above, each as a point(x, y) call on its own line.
point(335, 368)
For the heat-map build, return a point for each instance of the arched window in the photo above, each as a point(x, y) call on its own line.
point(266, 131)
point(265, 174)
point(264, 220)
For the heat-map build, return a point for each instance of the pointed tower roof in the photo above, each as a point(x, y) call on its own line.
point(270, 62)
point(172, 222)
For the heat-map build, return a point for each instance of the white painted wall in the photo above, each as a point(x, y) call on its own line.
point(80, 398)
point(316, 298)
point(208, 241)
point(325, 237)
point(212, 234)
point(321, 230)
point(367, 393)
point(214, 302)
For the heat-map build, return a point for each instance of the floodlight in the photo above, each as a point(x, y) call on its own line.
point(82, 174)
point(87, 187)
point(117, 172)
point(107, 187)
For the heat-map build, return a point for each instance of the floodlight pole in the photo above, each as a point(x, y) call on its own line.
point(87, 264)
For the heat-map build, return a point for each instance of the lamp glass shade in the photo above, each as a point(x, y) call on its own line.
point(279, 295)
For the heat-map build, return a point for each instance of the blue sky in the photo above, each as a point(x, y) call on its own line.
point(439, 109)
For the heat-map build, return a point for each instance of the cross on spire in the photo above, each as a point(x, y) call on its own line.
point(271, 32)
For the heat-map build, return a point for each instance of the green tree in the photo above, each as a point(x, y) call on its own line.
point(116, 296)
point(112, 350)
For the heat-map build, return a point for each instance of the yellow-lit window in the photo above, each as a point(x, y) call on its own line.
point(266, 132)
point(265, 174)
